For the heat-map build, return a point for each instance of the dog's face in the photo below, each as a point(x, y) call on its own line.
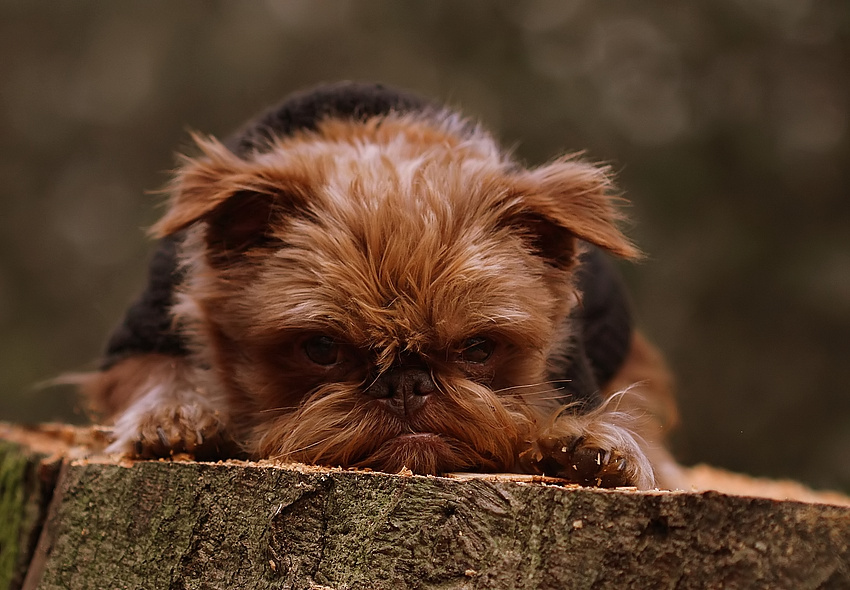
point(384, 293)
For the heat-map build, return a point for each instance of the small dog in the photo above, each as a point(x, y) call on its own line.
point(363, 278)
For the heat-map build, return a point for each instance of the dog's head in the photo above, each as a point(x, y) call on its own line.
point(384, 292)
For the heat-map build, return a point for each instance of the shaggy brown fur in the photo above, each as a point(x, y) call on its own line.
point(387, 292)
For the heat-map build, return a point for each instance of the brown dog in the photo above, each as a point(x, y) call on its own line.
point(362, 278)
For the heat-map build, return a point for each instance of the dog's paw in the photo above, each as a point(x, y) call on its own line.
point(574, 459)
point(169, 427)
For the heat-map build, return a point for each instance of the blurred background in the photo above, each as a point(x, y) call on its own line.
point(727, 121)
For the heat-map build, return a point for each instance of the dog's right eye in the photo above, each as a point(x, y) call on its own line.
point(477, 350)
point(322, 350)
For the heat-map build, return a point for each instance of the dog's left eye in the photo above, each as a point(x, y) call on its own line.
point(322, 350)
point(477, 350)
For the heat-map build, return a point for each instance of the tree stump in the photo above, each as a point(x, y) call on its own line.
point(73, 519)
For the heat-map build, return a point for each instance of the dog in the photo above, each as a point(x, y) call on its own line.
point(361, 277)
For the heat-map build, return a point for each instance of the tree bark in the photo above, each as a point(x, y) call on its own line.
point(184, 524)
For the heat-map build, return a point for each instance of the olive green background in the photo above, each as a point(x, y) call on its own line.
point(727, 121)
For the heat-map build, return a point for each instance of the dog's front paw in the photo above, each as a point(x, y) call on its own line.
point(171, 426)
point(576, 460)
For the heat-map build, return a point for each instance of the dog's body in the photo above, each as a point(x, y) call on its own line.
point(362, 278)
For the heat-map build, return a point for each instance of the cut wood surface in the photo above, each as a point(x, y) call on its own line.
point(101, 522)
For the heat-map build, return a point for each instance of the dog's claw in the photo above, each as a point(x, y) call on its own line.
point(163, 438)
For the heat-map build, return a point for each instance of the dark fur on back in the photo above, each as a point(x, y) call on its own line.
point(147, 326)
point(303, 110)
point(582, 367)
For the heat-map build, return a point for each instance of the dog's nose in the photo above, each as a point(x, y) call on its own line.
point(403, 390)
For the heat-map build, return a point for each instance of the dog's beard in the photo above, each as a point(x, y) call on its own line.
point(465, 426)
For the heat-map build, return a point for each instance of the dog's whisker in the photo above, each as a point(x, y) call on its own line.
point(304, 448)
point(553, 393)
point(548, 398)
point(278, 409)
point(523, 386)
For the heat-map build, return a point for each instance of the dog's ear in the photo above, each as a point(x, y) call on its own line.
point(236, 198)
point(570, 199)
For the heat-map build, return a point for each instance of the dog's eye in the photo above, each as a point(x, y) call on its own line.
point(322, 350)
point(477, 350)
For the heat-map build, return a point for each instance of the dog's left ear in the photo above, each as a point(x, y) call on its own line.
point(569, 199)
point(236, 199)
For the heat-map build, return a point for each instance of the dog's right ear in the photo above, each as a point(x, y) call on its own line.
point(236, 198)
